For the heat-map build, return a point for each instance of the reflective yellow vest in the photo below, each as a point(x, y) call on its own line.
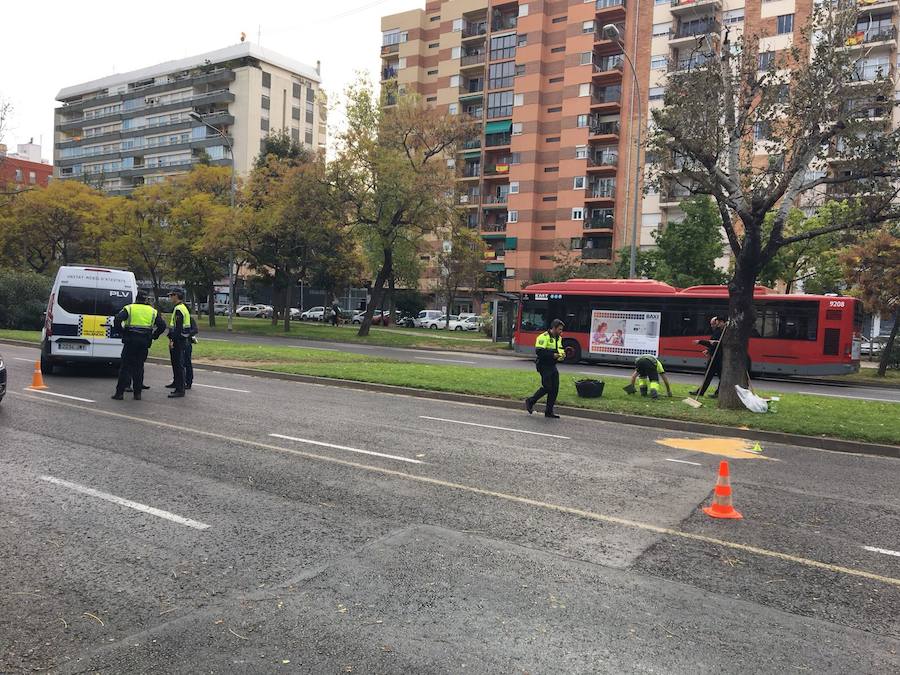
point(139, 316)
point(180, 308)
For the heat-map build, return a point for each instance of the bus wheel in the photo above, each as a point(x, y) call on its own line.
point(573, 351)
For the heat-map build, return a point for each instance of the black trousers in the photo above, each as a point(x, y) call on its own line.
point(549, 388)
point(176, 356)
point(188, 364)
point(131, 368)
point(713, 370)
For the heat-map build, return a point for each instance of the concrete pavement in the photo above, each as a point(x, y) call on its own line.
point(356, 532)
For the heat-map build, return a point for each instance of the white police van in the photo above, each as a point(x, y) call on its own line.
point(79, 324)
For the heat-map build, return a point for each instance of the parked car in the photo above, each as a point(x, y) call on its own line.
point(872, 347)
point(357, 316)
point(2, 378)
point(426, 315)
point(441, 322)
point(313, 314)
point(406, 321)
point(470, 322)
point(295, 314)
point(466, 315)
point(255, 311)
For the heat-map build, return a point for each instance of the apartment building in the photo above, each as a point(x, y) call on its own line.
point(549, 174)
point(24, 169)
point(141, 127)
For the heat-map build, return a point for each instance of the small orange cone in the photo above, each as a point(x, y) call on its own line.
point(37, 380)
point(721, 506)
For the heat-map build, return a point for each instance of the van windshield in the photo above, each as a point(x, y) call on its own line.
point(93, 301)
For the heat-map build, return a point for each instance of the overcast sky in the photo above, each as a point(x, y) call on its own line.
point(49, 46)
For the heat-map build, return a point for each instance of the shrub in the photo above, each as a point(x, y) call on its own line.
point(23, 299)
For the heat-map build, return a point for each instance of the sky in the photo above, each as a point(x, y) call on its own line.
point(56, 45)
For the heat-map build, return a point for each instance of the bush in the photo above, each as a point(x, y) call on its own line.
point(23, 299)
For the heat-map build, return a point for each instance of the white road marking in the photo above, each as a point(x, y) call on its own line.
point(344, 447)
point(489, 426)
point(886, 551)
point(19, 358)
point(209, 339)
point(212, 386)
point(53, 393)
point(684, 461)
point(175, 518)
point(426, 358)
point(861, 398)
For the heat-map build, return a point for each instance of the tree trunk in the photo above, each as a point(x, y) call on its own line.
point(450, 296)
point(392, 283)
point(211, 304)
point(735, 342)
point(287, 306)
point(387, 269)
point(888, 348)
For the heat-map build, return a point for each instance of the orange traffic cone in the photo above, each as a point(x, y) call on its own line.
point(721, 506)
point(37, 380)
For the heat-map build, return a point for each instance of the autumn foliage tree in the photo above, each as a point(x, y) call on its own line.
point(762, 133)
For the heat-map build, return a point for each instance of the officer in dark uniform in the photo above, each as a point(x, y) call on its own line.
point(713, 349)
point(179, 334)
point(139, 324)
point(189, 354)
point(548, 351)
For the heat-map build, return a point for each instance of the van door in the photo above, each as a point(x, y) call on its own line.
point(112, 294)
point(75, 303)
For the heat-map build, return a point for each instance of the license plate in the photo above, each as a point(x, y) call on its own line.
point(71, 346)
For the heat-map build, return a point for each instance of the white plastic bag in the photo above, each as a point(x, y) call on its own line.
point(751, 401)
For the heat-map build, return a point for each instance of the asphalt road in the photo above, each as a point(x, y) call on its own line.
point(512, 361)
point(268, 526)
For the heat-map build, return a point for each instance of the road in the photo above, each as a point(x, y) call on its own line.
point(511, 361)
point(268, 526)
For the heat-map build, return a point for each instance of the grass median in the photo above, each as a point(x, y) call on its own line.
point(810, 415)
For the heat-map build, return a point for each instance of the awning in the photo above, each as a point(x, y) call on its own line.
point(471, 153)
point(511, 243)
point(495, 267)
point(498, 127)
point(493, 235)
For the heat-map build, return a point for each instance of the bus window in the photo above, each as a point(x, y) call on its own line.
point(534, 315)
point(787, 320)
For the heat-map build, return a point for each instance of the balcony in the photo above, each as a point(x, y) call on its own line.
point(673, 195)
point(500, 169)
point(604, 129)
point(494, 227)
point(470, 199)
point(605, 44)
point(474, 29)
point(494, 200)
point(600, 222)
point(471, 89)
point(470, 171)
point(497, 140)
point(504, 22)
point(608, 97)
point(685, 65)
point(881, 36)
point(607, 64)
point(607, 9)
point(603, 160)
point(870, 7)
point(388, 73)
point(471, 144)
point(689, 32)
point(872, 73)
point(604, 190)
point(390, 49)
point(694, 7)
point(469, 60)
point(592, 253)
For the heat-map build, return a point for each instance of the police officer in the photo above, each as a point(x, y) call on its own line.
point(548, 351)
point(179, 334)
point(714, 351)
point(139, 324)
point(647, 371)
point(189, 354)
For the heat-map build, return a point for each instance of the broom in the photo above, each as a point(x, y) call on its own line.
point(693, 402)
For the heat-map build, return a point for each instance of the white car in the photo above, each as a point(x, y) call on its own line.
point(470, 322)
point(313, 314)
point(295, 314)
point(441, 322)
point(358, 317)
point(255, 311)
point(425, 316)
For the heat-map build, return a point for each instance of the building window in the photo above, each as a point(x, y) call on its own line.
point(454, 80)
point(501, 75)
point(519, 99)
point(658, 62)
point(660, 29)
point(557, 50)
point(309, 137)
point(457, 25)
point(656, 93)
point(503, 47)
point(520, 69)
point(765, 60)
point(266, 103)
point(760, 131)
point(587, 27)
point(394, 37)
point(523, 9)
point(515, 158)
point(264, 124)
point(434, 45)
point(785, 24)
point(500, 104)
point(733, 16)
point(512, 217)
point(549, 199)
point(453, 108)
point(514, 187)
point(575, 243)
point(20, 175)
point(582, 121)
point(266, 80)
point(522, 41)
point(581, 152)
point(552, 139)
point(295, 113)
point(578, 183)
point(455, 53)
point(295, 135)
point(516, 128)
point(586, 58)
point(555, 80)
point(551, 169)
point(310, 114)
point(431, 99)
point(554, 110)
point(432, 72)
point(559, 19)
point(296, 90)
point(436, 17)
point(578, 214)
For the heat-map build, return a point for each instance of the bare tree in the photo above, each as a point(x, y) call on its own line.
point(763, 132)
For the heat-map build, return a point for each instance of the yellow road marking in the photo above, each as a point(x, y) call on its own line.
point(733, 448)
point(549, 506)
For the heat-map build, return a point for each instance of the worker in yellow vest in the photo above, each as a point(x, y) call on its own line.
point(139, 324)
point(179, 334)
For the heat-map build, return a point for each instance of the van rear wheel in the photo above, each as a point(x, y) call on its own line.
point(46, 363)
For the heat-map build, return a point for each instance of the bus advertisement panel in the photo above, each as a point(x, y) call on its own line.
point(625, 333)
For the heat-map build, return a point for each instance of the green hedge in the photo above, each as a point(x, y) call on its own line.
point(23, 299)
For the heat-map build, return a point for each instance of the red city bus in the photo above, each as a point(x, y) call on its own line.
point(794, 334)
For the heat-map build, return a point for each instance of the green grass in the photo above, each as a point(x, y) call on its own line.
point(801, 414)
point(869, 376)
point(382, 337)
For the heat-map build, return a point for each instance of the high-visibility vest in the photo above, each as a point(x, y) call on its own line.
point(140, 316)
point(180, 308)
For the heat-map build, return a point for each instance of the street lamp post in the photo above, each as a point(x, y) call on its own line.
point(197, 117)
point(612, 32)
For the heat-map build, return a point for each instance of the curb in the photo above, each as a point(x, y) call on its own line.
point(821, 443)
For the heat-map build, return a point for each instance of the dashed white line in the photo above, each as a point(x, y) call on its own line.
point(212, 386)
point(490, 426)
point(886, 551)
point(344, 447)
point(19, 358)
point(684, 461)
point(53, 393)
point(175, 518)
point(426, 358)
point(860, 398)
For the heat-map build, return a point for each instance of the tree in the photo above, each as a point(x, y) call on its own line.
point(687, 250)
point(280, 144)
point(51, 226)
point(460, 258)
point(392, 174)
point(873, 265)
point(809, 109)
